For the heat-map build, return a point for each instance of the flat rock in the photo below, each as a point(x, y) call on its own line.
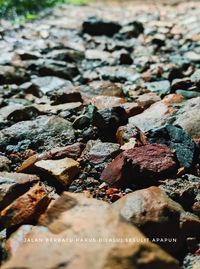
point(12, 185)
point(26, 208)
point(75, 216)
point(42, 133)
point(63, 170)
point(140, 165)
point(159, 217)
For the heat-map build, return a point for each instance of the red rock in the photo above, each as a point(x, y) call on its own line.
point(142, 165)
point(147, 99)
point(132, 109)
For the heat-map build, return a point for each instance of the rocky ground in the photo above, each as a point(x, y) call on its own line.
point(100, 136)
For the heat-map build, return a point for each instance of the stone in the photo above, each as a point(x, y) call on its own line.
point(159, 87)
point(12, 185)
point(183, 190)
point(159, 217)
point(50, 83)
point(188, 117)
point(4, 163)
point(102, 101)
point(63, 170)
point(76, 216)
point(71, 151)
point(108, 120)
point(25, 208)
point(42, 133)
point(95, 26)
point(179, 141)
point(155, 116)
point(97, 152)
point(140, 165)
point(64, 95)
point(147, 99)
point(191, 261)
point(132, 29)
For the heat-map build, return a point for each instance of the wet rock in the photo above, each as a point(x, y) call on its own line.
point(12, 185)
point(74, 216)
point(159, 217)
point(97, 152)
point(42, 133)
point(108, 120)
point(179, 141)
point(183, 190)
point(95, 26)
point(4, 163)
point(140, 165)
point(26, 208)
point(63, 170)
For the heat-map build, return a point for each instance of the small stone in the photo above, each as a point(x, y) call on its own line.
point(140, 165)
point(159, 87)
point(102, 102)
point(4, 163)
point(63, 170)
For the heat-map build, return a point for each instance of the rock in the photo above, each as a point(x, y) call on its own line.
point(71, 151)
point(127, 132)
point(188, 117)
point(155, 116)
point(140, 165)
point(102, 102)
point(183, 190)
point(63, 170)
point(50, 83)
point(4, 163)
point(179, 141)
point(108, 120)
point(97, 152)
point(159, 218)
point(193, 56)
point(132, 108)
point(132, 29)
point(75, 216)
point(42, 133)
point(188, 94)
point(12, 75)
point(65, 95)
point(12, 185)
point(181, 84)
point(23, 114)
point(95, 26)
point(191, 261)
point(159, 87)
point(26, 208)
point(147, 99)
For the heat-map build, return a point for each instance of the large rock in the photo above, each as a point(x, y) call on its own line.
point(84, 233)
point(141, 165)
point(12, 185)
point(26, 208)
point(42, 133)
point(159, 218)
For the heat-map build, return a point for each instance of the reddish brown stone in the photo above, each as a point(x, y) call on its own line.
point(142, 165)
point(26, 208)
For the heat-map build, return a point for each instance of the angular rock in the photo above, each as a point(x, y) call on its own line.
point(42, 133)
point(147, 99)
point(12, 185)
point(178, 140)
point(97, 152)
point(141, 166)
point(102, 102)
point(26, 208)
point(95, 26)
point(63, 170)
point(159, 218)
point(75, 216)
point(4, 163)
